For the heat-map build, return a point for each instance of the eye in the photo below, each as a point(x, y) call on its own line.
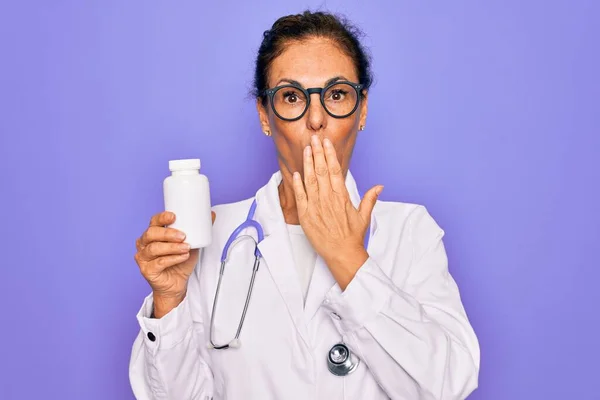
point(338, 94)
point(290, 97)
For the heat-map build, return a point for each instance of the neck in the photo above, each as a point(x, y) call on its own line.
point(287, 199)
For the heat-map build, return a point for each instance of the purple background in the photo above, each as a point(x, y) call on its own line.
point(486, 112)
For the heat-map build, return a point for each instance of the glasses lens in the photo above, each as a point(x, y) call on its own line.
point(341, 99)
point(289, 102)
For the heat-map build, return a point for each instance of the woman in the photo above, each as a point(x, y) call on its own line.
point(334, 269)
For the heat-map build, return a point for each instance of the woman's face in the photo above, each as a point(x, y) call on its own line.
point(313, 63)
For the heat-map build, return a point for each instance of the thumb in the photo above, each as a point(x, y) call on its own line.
point(214, 216)
point(365, 208)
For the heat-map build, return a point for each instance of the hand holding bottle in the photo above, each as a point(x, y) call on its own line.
point(166, 262)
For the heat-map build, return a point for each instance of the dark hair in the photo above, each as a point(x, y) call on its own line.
point(307, 25)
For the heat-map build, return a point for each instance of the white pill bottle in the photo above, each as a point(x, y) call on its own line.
point(187, 195)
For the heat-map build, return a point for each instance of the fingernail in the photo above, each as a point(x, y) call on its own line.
point(379, 190)
point(296, 175)
point(315, 139)
point(184, 247)
point(307, 151)
point(327, 143)
point(180, 235)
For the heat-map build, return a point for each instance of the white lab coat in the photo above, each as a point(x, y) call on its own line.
point(401, 315)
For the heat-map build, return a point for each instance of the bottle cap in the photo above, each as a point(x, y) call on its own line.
point(182, 165)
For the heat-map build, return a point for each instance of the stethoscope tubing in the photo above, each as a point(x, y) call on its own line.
point(343, 367)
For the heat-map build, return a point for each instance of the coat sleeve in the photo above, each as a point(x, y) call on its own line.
point(414, 335)
point(168, 358)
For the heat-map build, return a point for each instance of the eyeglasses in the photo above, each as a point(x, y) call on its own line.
point(290, 102)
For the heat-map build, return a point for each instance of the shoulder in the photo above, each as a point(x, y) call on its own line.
point(412, 216)
point(228, 217)
point(408, 222)
point(231, 214)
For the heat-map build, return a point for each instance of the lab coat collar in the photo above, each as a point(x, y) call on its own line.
point(277, 252)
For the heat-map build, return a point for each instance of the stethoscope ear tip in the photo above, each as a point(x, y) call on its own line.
point(235, 343)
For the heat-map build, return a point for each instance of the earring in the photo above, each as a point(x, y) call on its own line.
point(362, 128)
point(268, 133)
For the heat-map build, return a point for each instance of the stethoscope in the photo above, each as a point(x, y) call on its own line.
point(340, 360)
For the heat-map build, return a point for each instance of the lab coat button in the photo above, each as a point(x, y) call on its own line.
point(151, 336)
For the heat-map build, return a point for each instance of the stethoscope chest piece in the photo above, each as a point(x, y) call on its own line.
point(341, 361)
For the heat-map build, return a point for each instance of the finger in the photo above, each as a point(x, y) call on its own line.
point(301, 199)
point(214, 216)
point(336, 177)
point(310, 179)
point(162, 219)
point(138, 244)
point(162, 263)
point(365, 208)
point(160, 234)
point(159, 249)
point(321, 170)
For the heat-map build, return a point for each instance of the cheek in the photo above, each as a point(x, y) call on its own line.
point(343, 133)
point(343, 140)
point(290, 140)
point(293, 134)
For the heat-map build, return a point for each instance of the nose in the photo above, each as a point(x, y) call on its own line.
point(316, 115)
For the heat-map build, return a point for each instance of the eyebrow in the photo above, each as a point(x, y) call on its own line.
point(294, 82)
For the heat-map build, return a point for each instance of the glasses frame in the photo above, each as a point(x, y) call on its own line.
point(270, 93)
